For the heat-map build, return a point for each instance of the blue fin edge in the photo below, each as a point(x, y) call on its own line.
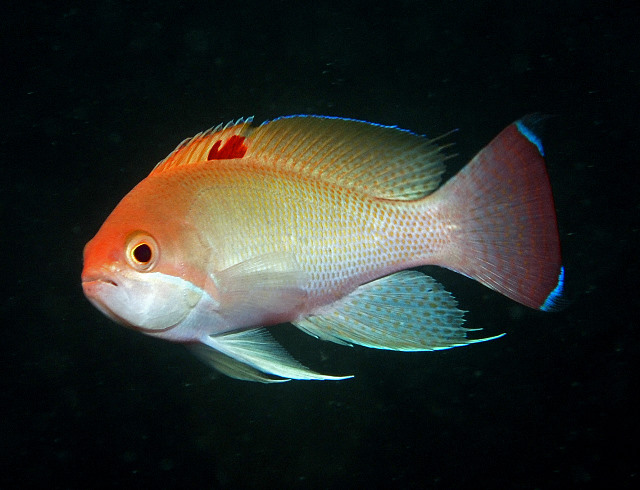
point(554, 301)
point(530, 135)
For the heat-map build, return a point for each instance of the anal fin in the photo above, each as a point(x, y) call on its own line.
point(406, 311)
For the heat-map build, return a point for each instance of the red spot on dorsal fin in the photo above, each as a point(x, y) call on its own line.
point(228, 141)
point(233, 148)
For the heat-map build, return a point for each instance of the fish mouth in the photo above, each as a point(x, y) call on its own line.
point(95, 287)
point(103, 280)
point(98, 287)
point(109, 281)
point(95, 276)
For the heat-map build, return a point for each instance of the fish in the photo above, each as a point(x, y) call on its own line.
point(324, 223)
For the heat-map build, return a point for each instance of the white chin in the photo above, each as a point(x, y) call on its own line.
point(95, 291)
point(146, 305)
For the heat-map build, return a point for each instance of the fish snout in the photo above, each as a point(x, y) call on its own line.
point(98, 285)
point(98, 288)
point(99, 275)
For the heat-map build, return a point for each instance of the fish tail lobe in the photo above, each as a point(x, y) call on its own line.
point(501, 219)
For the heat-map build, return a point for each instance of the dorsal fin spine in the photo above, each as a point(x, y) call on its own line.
point(197, 148)
point(382, 161)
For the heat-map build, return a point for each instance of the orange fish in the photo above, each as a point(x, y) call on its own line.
point(312, 220)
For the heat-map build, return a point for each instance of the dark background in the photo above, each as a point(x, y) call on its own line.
point(93, 94)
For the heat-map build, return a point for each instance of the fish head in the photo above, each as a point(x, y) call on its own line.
point(143, 267)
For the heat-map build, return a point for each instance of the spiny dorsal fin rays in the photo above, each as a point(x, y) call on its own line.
point(382, 161)
point(199, 148)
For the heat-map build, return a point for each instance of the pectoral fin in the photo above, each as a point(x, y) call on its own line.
point(265, 289)
point(406, 311)
point(249, 354)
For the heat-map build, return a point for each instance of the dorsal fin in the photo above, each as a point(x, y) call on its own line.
point(382, 161)
point(222, 142)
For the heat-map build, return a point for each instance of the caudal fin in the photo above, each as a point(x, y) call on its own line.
point(502, 219)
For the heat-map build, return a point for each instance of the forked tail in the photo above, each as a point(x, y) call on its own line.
point(500, 213)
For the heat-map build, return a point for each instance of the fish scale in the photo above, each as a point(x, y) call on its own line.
point(270, 212)
point(311, 220)
point(360, 236)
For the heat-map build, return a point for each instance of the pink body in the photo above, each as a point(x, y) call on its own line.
point(303, 220)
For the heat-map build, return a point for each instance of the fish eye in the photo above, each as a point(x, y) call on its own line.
point(142, 252)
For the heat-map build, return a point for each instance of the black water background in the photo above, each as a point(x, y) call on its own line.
point(93, 94)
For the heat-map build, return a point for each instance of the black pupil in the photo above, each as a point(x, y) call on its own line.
point(142, 253)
